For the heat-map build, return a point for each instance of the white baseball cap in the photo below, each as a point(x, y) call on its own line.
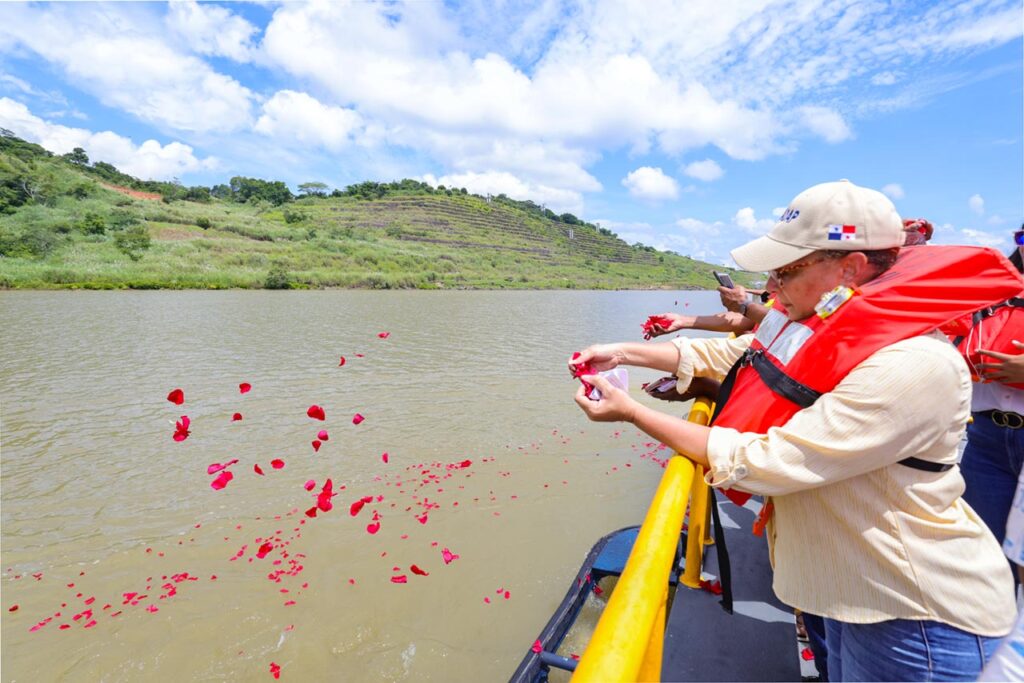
point(834, 216)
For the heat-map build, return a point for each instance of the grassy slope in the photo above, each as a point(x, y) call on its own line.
point(399, 241)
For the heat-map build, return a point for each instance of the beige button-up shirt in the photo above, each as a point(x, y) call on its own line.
point(856, 536)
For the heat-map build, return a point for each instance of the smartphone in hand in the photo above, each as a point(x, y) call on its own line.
point(723, 279)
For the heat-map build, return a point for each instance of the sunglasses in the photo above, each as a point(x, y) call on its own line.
point(1018, 238)
point(786, 272)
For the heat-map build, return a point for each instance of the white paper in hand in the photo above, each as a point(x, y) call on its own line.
point(617, 377)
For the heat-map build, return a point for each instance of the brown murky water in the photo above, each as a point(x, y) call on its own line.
point(114, 541)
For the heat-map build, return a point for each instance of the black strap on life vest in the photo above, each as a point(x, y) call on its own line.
point(1015, 302)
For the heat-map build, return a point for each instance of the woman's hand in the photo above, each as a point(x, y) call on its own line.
point(1009, 369)
point(676, 322)
point(615, 405)
point(600, 356)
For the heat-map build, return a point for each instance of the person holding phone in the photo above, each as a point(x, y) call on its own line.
point(846, 410)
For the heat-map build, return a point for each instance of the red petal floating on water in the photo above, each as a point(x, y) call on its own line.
point(422, 519)
point(236, 417)
point(258, 470)
point(244, 388)
point(222, 480)
point(356, 507)
point(277, 463)
point(217, 467)
point(316, 412)
point(13, 608)
point(177, 397)
point(383, 335)
point(508, 595)
point(264, 549)
point(310, 485)
point(416, 570)
point(311, 512)
point(316, 446)
point(448, 556)
point(806, 654)
point(401, 578)
point(322, 435)
point(487, 600)
point(373, 528)
point(153, 609)
point(275, 670)
point(181, 431)
point(341, 362)
point(357, 418)
point(537, 647)
point(384, 458)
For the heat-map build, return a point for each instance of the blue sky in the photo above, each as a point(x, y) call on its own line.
point(685, 125)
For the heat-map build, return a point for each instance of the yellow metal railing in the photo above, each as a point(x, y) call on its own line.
point(628, 641)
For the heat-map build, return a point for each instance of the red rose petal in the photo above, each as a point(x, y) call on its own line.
point(806, 654)
point(236, 417)
point(422, 519)
point(217, 467)
point(373, 527)
point(316, 445)
point(275, 670)
point(244, 388)
point(177, 397)
point(311, 512)
point(277, 463)
point(356, 507)
point(181, 431)
point(316, 412)
point(258, 470)
point(448, 556)
point(401, 578)
point(310, 485)
point(357, 418)
point(383, 335)
point(537, 647)
point(12, 608)
point(384, 457)
point(416, 570)
point(264, 549)
point(341, 362)
point(222, 480)
point(322, 435)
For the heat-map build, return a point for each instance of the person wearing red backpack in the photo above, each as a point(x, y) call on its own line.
point(992, 343)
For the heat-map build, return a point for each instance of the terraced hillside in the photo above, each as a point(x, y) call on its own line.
point(76, 230)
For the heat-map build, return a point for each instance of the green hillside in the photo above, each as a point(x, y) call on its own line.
point(69, 223)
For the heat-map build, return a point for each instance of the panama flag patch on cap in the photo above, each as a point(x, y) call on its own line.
point(842, 232)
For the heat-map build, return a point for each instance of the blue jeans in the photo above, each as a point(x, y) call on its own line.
point(990, 466)
point(904, 650)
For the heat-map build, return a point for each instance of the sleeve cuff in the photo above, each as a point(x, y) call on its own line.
point(684, 372)
point(724, 471)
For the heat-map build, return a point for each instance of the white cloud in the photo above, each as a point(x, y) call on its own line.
point(651, 183)
point(698, 227)
point(211, 30)
point(745, 218)
point(150, 160)
point(982, 238)
point(126, 63)
point(706, 170)
point(893, 191)
point(291, 115)
point(778, 211)
point(885, 78)
point(825, 123)
point(996, 219)
point(976, 204)
point(495, 183)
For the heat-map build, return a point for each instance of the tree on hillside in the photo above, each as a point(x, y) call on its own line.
point(313, 189)
point(77, 156)
point(273, 191)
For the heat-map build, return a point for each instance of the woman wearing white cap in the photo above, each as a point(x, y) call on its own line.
point(845, 410)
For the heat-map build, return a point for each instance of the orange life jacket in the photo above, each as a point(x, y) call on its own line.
point(993, 329)
point(790, 364)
